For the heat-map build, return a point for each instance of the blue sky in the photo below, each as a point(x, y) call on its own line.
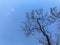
point(12, 13)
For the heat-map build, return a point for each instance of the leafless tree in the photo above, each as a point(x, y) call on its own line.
point(38, 20)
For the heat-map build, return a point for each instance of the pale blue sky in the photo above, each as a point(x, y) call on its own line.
point(12, 13)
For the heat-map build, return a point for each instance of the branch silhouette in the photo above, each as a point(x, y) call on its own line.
point(38, 21)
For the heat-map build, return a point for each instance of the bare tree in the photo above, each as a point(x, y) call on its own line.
point(38, 21)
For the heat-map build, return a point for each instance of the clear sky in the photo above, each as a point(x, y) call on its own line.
point(12, 13)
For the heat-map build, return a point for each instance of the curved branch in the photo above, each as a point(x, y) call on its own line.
point(42, 30)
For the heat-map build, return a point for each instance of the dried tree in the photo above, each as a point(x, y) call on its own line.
point(38, 21)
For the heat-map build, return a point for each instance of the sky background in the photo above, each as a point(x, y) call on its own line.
point(12, 13)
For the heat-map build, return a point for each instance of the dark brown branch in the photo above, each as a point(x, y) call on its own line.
point(47, 37)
